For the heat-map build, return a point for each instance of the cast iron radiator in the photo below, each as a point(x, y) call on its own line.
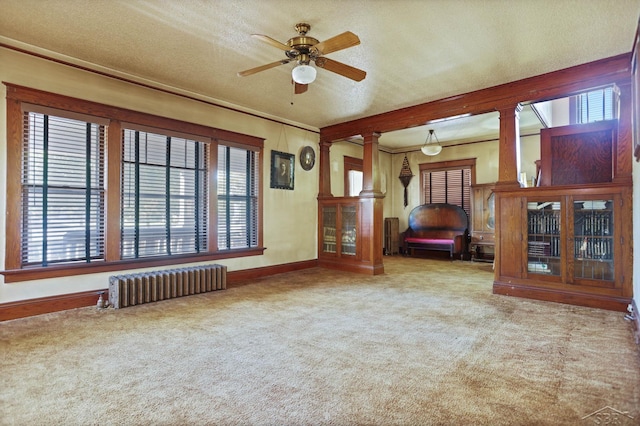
point(146, 287)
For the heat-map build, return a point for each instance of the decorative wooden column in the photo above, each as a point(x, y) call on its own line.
point(623, 156)
point(324, 190)
point(371, 206)
point(508, 227)
point(509, 148)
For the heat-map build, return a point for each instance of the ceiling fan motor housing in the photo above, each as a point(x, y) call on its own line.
point(300, 47)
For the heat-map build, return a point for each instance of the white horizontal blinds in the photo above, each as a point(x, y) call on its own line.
point(164, 195)
point(596, 105)
point(237, 197)
point(62, 190)
point(452, 186)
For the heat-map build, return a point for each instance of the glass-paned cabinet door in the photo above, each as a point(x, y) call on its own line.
point(329, 229)
point(593, 243)
point(348, 230)
point(544, 222)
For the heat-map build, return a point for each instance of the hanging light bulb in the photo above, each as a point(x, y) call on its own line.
point(431, 146)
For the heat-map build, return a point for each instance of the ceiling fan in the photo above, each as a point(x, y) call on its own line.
point(303, 50)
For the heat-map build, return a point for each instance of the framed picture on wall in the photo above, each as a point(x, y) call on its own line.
point(282, 170)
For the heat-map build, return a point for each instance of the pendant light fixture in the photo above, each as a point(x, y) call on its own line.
point(431, 144)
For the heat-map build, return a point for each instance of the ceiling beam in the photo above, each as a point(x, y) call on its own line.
point(615, 69)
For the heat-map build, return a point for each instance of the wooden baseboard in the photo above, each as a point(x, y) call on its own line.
point(238, 278)
point(357, 267)
point(45, 305)
point(612, 303)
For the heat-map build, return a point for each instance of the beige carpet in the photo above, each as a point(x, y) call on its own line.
point(426, 343)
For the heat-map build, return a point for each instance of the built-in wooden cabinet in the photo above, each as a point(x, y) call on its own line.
point(483, 222)
point(572, 238)
point(339, 230)
point(567, 244)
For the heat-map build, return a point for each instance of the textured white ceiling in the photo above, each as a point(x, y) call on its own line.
point(414, 51)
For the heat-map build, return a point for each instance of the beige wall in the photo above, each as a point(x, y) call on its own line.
point(287, 214)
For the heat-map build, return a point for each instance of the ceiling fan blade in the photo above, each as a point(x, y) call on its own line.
point(272, 42)
point(299, 88)
point(263, 67)
point(339, 42)
point(340, 68)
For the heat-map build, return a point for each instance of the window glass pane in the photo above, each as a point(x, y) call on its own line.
point(164, 193)
point(596, 105)
point(355, 183)
point(63, 190)
point(237, 198)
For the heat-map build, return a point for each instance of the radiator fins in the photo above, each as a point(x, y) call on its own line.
point(147, 287)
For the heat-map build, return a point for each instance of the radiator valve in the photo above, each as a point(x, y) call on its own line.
point(630, 316)
point(101, 302)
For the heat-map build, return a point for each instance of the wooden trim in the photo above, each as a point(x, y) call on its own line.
point(600, 301)
point(68, 103)
point(151, 87)
point(447, 165)
point(45, 305)
point(324, 165)
point(547, 86)
point(13, 179)
point(19, 98)
point(17, 275)
point(246, 276)
point(113, 194)
point(450, 165)
point(339, 264)
point(350, 163)
point(551, 137)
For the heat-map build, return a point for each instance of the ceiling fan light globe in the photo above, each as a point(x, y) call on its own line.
point(303, 74)
point(431, 149)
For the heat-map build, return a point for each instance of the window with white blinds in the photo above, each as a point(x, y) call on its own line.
point(95, 188)
point(164, 195)
point(596, 105)
point(238, 183)
point(451, 186)
point(62, 182)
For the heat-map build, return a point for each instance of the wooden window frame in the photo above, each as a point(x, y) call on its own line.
point(351, 163)
point(449, 165)
point(17, 96)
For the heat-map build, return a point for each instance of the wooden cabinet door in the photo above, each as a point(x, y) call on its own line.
point(483, 221)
